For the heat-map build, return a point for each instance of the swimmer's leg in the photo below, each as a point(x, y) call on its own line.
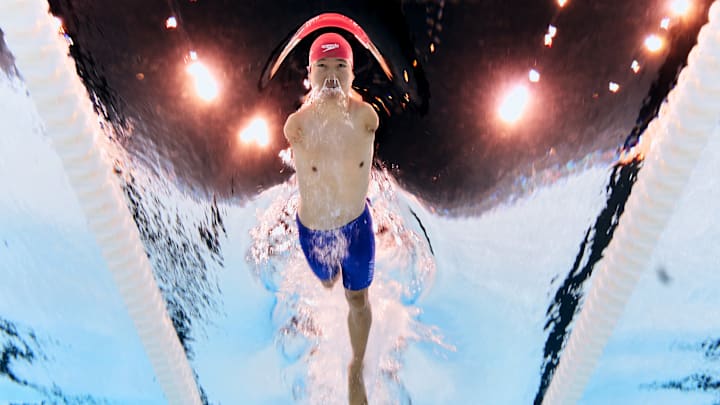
point(359, 321)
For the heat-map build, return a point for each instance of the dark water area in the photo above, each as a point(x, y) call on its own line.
point(703, 381)
point(20, 348)
point(184, 254)
point(453, 59)
point(17, 347)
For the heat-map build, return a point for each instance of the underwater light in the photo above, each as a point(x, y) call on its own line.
point(653, 43)
point(513, 104)
point(257, 131)
point(205, 85)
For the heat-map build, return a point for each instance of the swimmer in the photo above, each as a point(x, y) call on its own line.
point(332, 136)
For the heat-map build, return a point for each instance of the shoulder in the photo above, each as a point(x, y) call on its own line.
point(367, 114)
point(293, 126)
point(295, 118)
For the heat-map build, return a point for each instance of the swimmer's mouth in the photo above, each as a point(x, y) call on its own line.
point(331, 83)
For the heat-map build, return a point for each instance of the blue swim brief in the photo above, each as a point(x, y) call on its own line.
point(350, 247)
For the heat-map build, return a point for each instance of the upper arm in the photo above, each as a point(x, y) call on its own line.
point(372, 122)
point(292, 128)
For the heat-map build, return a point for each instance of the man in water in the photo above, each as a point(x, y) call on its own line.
point(332, 137)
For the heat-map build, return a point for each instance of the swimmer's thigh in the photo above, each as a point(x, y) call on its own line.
point(359, 265)
point(309, 240)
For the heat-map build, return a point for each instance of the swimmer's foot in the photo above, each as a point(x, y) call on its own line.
point(356, 384)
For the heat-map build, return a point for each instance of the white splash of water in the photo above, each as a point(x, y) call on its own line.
point(329, 100)
point(286, 156)
point(311, 320)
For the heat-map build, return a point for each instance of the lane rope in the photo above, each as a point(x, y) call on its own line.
point(41, 55)
point(678, 136)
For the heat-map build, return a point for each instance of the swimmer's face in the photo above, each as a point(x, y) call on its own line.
point(328, 74)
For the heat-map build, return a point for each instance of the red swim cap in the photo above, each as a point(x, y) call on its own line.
point(330, 45)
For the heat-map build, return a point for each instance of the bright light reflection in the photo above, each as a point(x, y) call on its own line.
point(552, 30)
point(548, 40)
point(257, 131)
point(680, 7)
point(561, 3)
point(635, 66)
point(653, 43)
point(613, 87)
point(534, 76)
point(513, 104)
point(205, 85)
point(665, 23)
point(171, 23)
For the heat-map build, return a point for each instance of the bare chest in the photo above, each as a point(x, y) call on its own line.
point(332, 137)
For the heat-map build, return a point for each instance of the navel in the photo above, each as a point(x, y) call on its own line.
point(362, 163)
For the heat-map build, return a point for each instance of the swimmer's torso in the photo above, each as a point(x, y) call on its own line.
point(333, 154)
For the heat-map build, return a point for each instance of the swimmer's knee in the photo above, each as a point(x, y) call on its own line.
point(357, 299)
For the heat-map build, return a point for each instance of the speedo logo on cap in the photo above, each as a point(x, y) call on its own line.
point(329, 47)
